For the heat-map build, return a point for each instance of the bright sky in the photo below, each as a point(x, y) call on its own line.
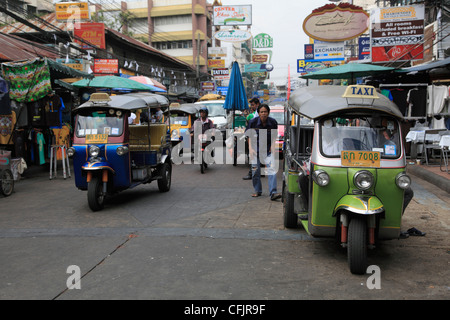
point(282, 20)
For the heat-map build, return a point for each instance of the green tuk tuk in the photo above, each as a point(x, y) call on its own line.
point(345, 176)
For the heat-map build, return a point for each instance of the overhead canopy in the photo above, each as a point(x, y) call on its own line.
point(191, 108)
point(315, 102)
point(348, 71)
point(60, 71)
point(111, 82)
point(429, 66)
point(131, 101)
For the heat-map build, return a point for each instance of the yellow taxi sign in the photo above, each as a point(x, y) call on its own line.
point(360, 91)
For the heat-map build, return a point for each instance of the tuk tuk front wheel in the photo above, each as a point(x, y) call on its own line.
point(290, 218)
point(357, 245)
point(166, 177)
point(96, 199)
point(6, 182)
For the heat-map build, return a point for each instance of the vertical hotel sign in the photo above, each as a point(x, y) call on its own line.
point(397, 33)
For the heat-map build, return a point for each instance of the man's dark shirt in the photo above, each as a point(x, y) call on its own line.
point(271, 124)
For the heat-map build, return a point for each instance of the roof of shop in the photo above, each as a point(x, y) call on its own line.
point(13, 48)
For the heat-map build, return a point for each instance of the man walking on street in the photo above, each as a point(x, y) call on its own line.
point(262, 136)
point(254, 105)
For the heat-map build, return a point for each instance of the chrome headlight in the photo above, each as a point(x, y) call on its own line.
point(321, 178)
point(94, 151)
point(403, 181)
point(121, 150)
point(363, 180)
point(71, 152)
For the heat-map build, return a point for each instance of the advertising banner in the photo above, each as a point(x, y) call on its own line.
point(217, 52)
point(232, 15)
point(328, 51)
point(94, 33)
point(221, 74)
point(364, 48)
point(72, 10)
point(233, 35)
point(262, 40)
point(106, 66)
point(397, 33)
point(260, 58)
point(216, 63)
point(309, 52)
point(208, 86)
point(336, 23)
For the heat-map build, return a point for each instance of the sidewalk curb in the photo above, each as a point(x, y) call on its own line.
point(430, 177)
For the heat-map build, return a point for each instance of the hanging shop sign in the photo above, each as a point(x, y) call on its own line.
point(397, 33)
point(207, 86)
point(262, 40)
point(93, 33)
point(216, 63)
point(336, 23)
point(364, 48)
point(309, 52)
point(106, 66)
point(217, 52)
point(328, 51)
point(72, 11)
point(221, 74)
point(232, 15)
point(260, 58)
point(233, 35)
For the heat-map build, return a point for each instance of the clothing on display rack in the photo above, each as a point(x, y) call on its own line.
point(437, 101)
point(41, 141)
point(399, 96)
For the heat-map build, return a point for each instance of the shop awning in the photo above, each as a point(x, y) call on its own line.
point(427, 67)
point(60, 71)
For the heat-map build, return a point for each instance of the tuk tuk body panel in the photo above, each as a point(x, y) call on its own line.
point(324, 200)
point(392, 197)
point(293, 183)
point(109, 159)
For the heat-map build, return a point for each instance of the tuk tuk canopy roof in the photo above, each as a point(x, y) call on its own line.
point(315, 102)
point(130, 101)
point(187, 107)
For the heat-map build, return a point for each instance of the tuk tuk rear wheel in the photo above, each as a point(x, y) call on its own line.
point(96, 199)
point(357, 245)
point(165, 181)
point(7, 182)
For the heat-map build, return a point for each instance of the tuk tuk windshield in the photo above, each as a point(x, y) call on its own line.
point(361, 134)
point(99, 122)
point(181, 120)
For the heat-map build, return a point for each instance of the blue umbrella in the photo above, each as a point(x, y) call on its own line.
point(236, 97)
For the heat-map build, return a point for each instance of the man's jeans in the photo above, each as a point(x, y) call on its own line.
point(270, 171)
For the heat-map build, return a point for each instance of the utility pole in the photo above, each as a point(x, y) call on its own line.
point(198, 59)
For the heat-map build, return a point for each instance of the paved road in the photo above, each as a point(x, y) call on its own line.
point(205, 239)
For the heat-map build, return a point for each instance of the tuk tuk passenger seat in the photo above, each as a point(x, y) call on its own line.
point(139, 137)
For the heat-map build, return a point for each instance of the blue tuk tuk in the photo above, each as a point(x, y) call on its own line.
point(112, 151)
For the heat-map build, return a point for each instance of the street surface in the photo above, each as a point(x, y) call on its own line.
point(207, 238)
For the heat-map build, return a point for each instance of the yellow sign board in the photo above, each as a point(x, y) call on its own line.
point(359, 91)
point(370, 159)
point(72, 11)
point(96, 138)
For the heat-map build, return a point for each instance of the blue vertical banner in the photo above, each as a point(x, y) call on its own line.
point(364, 48)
